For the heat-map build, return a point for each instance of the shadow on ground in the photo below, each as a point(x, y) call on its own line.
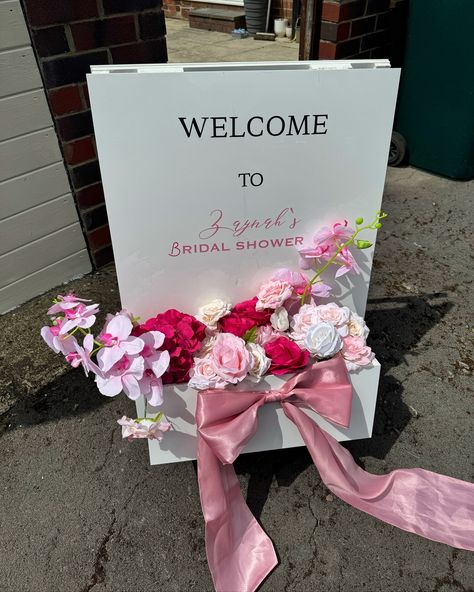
point(398, 324)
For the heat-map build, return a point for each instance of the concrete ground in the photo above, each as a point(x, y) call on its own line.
point(81, 510)
point(195, 45)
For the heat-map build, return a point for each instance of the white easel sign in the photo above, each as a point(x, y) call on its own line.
point(214, 175)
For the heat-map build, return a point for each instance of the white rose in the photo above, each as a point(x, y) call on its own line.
point(260, 362)
point(210, 313)
point(357, 326)
point(279, 319)
point(322, 340)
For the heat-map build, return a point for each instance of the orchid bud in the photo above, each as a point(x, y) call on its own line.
point(363, 244)
point(359, 221)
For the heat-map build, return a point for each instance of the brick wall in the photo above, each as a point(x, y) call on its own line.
point(355, 29)
point(68, 36)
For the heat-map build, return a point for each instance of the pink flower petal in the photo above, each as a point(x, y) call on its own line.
point(110, 387)
point(131, 387)
point(132, 345)
point(120, 326)
point(108, 356)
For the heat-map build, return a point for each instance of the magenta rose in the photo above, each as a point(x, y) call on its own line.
point(243, 317)
point(285, 355)
point(183, 337)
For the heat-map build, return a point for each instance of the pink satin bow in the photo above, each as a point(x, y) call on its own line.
point(239, 552)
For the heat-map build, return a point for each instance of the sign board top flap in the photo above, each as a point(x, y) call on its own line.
point(214, 175)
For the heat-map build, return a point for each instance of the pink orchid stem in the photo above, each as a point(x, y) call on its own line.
point(372, 226)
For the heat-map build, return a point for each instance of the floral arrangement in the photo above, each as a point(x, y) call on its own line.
point(281, 330)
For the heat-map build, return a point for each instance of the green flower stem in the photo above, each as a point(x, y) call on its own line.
point(372, 226)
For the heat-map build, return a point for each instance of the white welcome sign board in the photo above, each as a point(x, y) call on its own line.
point(214, 174)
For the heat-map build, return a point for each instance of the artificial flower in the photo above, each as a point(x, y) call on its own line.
point(335, 315)
point(273, 294)
point(279, 319)
point(286, 356)
point(183, 337)
point(244, 317)
point(232, 361)
point(64, 344)
point(124, 375)
point(118, 341)
point(356, 353)
point(212, 312)
point(203, 374)
point(260, 362)
point(322, 340)
point(134, 429)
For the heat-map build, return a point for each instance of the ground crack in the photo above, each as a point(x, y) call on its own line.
point(101, 557)
point(449, 580)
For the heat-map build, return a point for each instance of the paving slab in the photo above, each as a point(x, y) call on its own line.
point(82, 511)
point(196, 45)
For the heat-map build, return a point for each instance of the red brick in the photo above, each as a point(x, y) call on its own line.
point(348, 48)
point(72, 68)
point(85, 93)
point(65, 100)
point(334, 31)
point(140, 53)
point(59, 11)
point(352, 10)
point(152, 25)
point(327, 50)
point(75, 126)
point(363, 26)
point(103, 256)
point(384, 21)
point(116, 6)
point(377, 6)
point(374, 40)
point(99, 238)
point(50, 41)
point(330, 12)
point(104, 32)
point(90, 197)
point(79, 150)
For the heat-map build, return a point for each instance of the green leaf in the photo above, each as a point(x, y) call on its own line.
point(250, 335)
point(363, 244)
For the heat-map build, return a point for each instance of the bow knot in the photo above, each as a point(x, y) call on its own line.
point(275, 396)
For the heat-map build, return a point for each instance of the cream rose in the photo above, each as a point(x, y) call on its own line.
point(210, 313)
point(357, 326)
point(260, 362)
point(279, 319)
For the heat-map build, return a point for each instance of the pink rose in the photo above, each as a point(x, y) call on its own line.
point(265, 334)
point(285, 355)
point(335, 315)
point(302, 321)
point(231, 359)
point(203, 374)
point(356, 353)
point(273, 294)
